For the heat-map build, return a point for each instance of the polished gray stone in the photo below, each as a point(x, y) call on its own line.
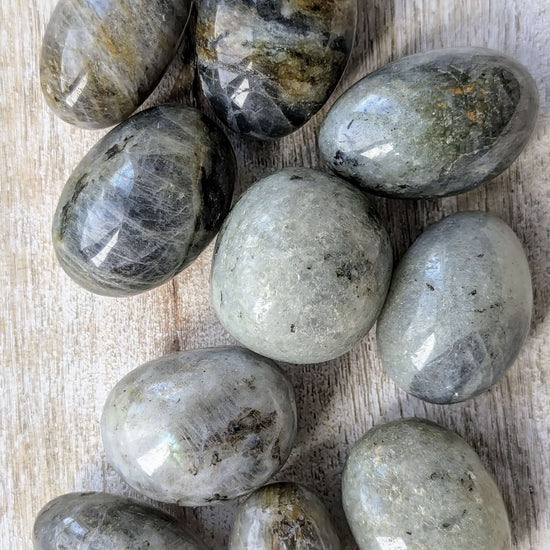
point(199, 427)
point(102, 58)
point(145, 201)
point(432, 124)
point(283, 516)
point(268, 66)
point(458, 309)
point(413, 485)
point(98, 521)
point(301, 267)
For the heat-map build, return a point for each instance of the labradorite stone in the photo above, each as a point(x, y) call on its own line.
point(98, 521)
point(145, 201)
point(432, 124)
point(283, 516)
point(199, 427)
point(411, 484)
point(101, 59)
point(458, 309)
point(268, 66)
point(301, 267)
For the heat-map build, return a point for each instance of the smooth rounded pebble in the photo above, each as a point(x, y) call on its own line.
point(145, 201)
point(432, 124)
point(301, 267)
point(101, 59)
point(268, 66)
point(458, 310)
point(283, 516)
point(98, 521)
point(413, 485)
point(199, 427)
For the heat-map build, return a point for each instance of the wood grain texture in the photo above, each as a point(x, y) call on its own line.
point(63, 349)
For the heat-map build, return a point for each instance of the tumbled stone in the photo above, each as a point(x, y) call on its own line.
point(283, 516)
point(100, 60)
point(432, 124)
point(301, 267)
point(458, 309)
point(199, 427)
point(98, 521)
point(268, 66)
point(145, 201)
point(413, 485)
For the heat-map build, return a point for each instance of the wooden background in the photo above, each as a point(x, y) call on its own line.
point(63, 349)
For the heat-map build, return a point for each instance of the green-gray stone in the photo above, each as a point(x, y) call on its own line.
point(413, 485)
point(432, 124)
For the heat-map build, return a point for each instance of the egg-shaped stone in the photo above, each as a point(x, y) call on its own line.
point(458, 310)
point(283, 516)
point(301, 267)
point(98, 521)
point(145, 201)
point(202, 426)
point(268, 66)
point(413, 485)
point(101, 59)
point(432, 124)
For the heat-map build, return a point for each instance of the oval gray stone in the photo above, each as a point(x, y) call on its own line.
point(301, 267)
point(98, 521)
point(199, 427)
point(432, 124)
point(100, 60)
point(283, 516)
point(268, 66)
point(145, 201)
point(458, 310)
point(411, 484)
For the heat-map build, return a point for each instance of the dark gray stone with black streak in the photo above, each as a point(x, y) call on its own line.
point(98, 521)
point(145, 201)
point(199, 427)
point(102, 58)
point(432, 124)
point(413, 485)
point(268, 66)
point(458, 310)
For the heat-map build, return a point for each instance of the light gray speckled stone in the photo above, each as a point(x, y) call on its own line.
point(413, 485)
point(432, 124)
point(98, 521)
point(301, 267)
point(199, 427)
point(458, 309)
point(283, 516)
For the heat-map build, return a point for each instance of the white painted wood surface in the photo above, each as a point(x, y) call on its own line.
point(62, 349)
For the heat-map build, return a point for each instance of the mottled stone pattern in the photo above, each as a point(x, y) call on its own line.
point(301, 267)
point(283, 516)
point(432, 124)
point(145, 201)
point(268, 66)
point(102, 58)
point(458, 310)
point(199, 427)
point(98, 521)
point(413, 485)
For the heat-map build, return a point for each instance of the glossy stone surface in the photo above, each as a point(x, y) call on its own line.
point(145, 201)
point(283, 516)
point(432, 124)
point(458, 309)
point(98, 521)
point(301, 267)
point(199, 427)
point(268, 66)
point(413, 485)
point(102, 58)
